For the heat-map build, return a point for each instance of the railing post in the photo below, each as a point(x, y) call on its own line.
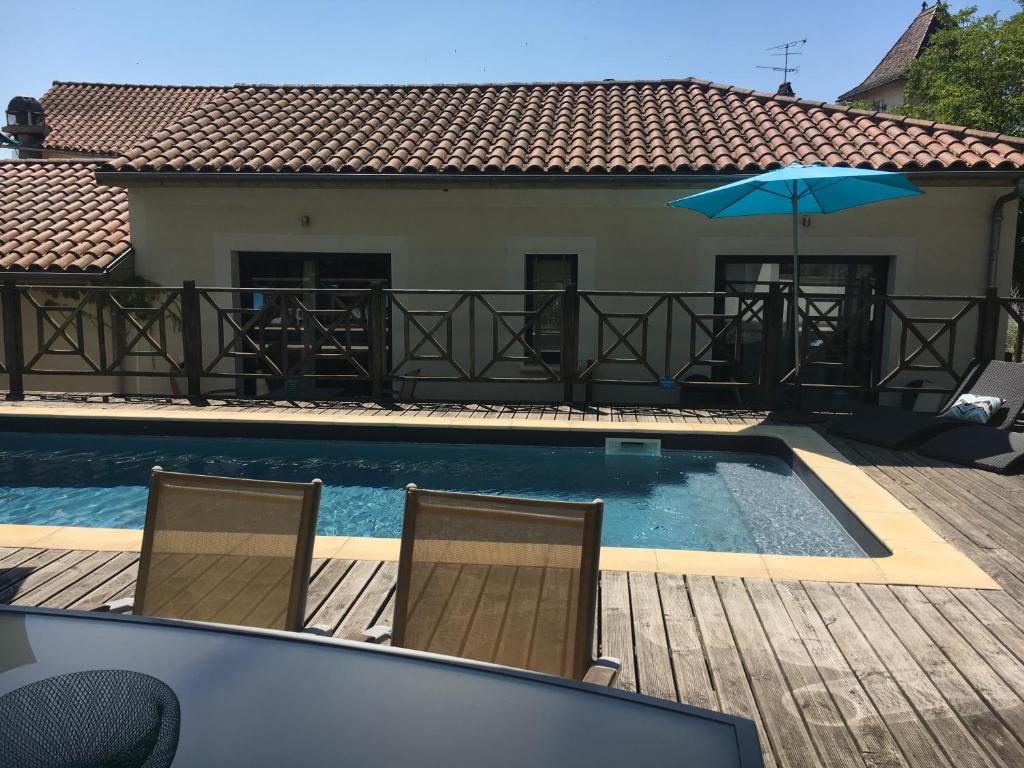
point(569, 366)
point(772, 329)
point(376, 332)
point(988, 326)
point(192, 338)
point(14, 352)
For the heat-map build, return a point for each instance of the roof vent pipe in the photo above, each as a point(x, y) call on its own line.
point(997, 225)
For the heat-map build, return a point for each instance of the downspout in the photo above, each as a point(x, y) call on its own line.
point(997, 224)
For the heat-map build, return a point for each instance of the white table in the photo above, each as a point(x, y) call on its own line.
point(254, 697)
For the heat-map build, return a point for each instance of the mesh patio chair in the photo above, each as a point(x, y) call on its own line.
point(896, 428)
point(226, 550)
point(498, 579)
point(107, 717)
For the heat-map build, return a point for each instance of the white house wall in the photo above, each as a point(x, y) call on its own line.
point(884, 97)
point(626, 238)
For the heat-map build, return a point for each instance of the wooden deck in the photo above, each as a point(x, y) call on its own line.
point(833, 674)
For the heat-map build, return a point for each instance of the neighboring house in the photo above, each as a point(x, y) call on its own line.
point(883, 87)
point(517, 186)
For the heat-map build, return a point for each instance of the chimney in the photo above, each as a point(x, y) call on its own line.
point(26, 123)
point(786, 89)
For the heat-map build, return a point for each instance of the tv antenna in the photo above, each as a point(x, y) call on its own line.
point(785, 50)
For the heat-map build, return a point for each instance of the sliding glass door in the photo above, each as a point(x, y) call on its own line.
point(840, 333)
point(301, 272)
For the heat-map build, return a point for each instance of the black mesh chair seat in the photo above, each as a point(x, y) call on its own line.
point(97, 719)
point(995, 450)
point(890, 427)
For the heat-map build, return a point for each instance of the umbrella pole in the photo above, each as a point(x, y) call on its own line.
point(796, 301)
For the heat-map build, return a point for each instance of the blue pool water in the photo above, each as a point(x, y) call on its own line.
point(726, 502)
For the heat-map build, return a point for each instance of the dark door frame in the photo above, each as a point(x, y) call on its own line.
point(550, 356)
point(878, 261)
point(881, 264)
point(318, 258)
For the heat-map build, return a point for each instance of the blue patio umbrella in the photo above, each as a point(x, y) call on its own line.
point(799, 190)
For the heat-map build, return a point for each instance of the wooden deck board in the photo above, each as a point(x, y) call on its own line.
point(121, 585)
point(825, 723)
point(951, 683)
point(918, 683)
point(782, 719)
point(833, 674)
point(735, 695)
point(95, 580)
point(689, 664)
point(896, 710)
point(653, 660)
point(616, 631)
point(367, 610)
point(874, 739)
point(65, 578)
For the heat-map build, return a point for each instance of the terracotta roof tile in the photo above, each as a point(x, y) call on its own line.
point(53, 215)
point(894, 64)
point(108, 119)
point(679, 127)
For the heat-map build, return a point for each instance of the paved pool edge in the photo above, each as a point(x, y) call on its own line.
point(919, 556)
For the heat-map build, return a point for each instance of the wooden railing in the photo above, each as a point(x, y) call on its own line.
point(90, 331)
point(471, 336)
point(566, 344)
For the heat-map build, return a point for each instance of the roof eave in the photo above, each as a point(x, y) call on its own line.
point(182, 178)
point(862, 88)
point(69, 275)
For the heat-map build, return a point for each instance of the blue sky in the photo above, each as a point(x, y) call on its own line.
point(360, 41)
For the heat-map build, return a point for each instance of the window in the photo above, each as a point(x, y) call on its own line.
point(548, 272)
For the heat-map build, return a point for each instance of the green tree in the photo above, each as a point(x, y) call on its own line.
point(972, 73)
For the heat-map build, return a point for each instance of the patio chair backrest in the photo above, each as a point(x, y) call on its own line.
point(999, 378)
point(499, 579)
point(227, 550)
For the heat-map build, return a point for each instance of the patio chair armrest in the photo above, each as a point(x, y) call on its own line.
point(321, 630)
point(376, 634)
point(124, 605)
point(603, 672)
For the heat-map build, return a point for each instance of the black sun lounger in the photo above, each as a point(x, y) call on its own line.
point(980, 446)
point(897, 428)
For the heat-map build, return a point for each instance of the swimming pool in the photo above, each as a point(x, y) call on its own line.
point(720, 501)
